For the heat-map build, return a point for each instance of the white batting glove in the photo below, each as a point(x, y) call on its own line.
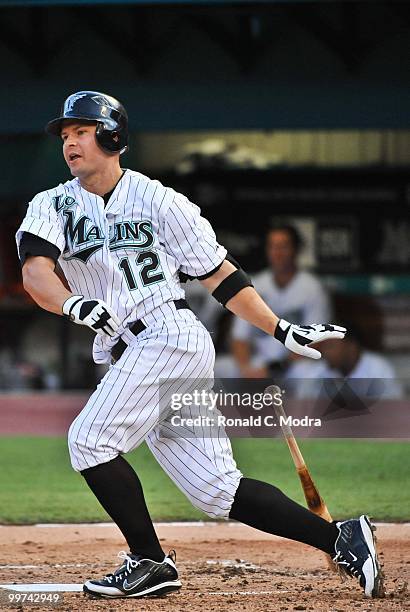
point(298, 337)
point(94, 313)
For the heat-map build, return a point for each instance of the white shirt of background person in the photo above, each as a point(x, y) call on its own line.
point(294, 294)
point(370, 373)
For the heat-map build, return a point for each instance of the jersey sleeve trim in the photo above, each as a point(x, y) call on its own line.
point(43, 229)
point(211, 273)
point(32, 245)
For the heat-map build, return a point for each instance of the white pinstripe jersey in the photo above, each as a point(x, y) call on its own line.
point(127, 253)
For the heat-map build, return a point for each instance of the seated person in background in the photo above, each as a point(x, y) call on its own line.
point(374, 375)
point(294, 294)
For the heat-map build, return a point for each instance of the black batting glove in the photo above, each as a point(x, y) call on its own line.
point(297, 338)
point(96, 314)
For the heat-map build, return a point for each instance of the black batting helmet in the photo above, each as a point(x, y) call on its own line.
point(109, 113)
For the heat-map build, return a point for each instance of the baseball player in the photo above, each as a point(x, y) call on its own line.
point(122, 241)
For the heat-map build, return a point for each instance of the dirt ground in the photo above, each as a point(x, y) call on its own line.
point(223, 567)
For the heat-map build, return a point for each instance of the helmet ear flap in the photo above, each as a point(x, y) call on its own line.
point(110, 140)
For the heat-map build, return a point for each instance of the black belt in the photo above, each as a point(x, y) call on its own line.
point(136, 328)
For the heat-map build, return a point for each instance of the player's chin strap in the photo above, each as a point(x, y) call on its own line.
point(232, 284)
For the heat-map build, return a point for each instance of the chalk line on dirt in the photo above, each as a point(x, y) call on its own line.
point(207, 524)
point(237, 563)
point(78, 588)
point(47, 566)
point(277, 592)
point(43, 588)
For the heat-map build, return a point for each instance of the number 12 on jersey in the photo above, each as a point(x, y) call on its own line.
point(150, 263)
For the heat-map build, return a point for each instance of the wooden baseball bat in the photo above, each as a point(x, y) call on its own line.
point(313, 499)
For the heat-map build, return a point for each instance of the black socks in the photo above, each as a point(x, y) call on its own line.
point(265, 507)
point(258, 504)
point(118, 489)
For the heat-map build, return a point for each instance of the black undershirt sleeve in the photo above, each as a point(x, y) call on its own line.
point(30, 244)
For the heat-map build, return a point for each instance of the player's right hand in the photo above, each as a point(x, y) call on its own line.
point(297, 338)
point(96, 314)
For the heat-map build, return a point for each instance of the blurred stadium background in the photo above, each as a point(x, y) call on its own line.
point(255, 110)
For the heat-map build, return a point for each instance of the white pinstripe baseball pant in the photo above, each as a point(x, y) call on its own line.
point(124, 410)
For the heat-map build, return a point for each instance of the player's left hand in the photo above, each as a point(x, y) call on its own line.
point(96, 314)
point(297, 338)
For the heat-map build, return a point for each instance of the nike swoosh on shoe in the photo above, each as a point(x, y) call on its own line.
point(128, 586)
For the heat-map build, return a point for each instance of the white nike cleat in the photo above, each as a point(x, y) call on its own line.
point(356, 555)
point(137, 577)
